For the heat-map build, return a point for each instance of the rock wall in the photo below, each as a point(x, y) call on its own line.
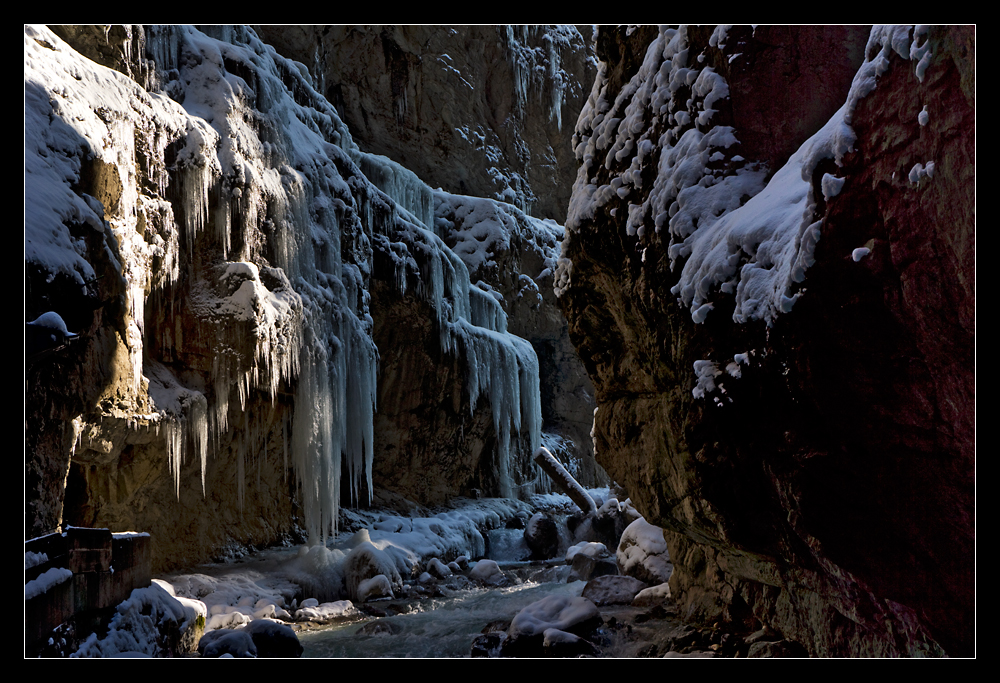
point(484, 111)
point(260, 311)
point(477, 110)
point(769, 275)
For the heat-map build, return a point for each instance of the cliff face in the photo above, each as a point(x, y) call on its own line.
point(264, 319)
point(780, 327)
point(477, 110)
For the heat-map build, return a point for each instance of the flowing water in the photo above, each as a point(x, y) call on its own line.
point(446, 626)
point(436, 627)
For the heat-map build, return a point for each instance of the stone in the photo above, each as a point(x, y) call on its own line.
point(438, 569)
point(224, 641)
point(380, 627)
point(367, 562)
point(613, 590)
point(642, 553)
point(375, 588)
point(488, 572)
point(652, 596)
point(585, 568)
point(561, 644)
point(525, 637)
point(542, 536)
point(273, 638)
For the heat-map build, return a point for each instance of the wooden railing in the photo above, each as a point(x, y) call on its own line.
point(98, 571)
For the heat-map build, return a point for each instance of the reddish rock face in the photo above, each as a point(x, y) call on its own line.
point(828, 490)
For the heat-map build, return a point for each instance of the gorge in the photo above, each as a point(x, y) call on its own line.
point(307, 268)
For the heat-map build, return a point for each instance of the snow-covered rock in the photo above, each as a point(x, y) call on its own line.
point(642, 553)
point(526, 634)
point(488, 573)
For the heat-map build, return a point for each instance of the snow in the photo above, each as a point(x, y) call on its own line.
point(589, 549)
point(643, 549)
point(139, 620)
point(759, 250)
point(52, 321)
point(705, 371)
point(921, 171)
point(34, 559)
point(560, 612)
point(45, 581)
point(831, 185)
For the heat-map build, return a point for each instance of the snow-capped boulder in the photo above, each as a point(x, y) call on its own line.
point(487, 572)
point(642, 553)
point(375, 588)
point(366, 562)
point(654, 595)
point(438, 569)
point(525, 637)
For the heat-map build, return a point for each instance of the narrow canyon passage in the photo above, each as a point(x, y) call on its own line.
point(286, 286)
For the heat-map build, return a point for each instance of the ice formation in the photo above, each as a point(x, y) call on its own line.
point(264, 173)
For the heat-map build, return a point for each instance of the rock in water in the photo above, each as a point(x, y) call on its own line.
point(526, 634)
point(273, 639)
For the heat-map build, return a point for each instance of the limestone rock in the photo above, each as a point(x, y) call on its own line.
point(613, 590)
point(800, 422)
point(245, 291)
point(642, 553)
point(477, 110)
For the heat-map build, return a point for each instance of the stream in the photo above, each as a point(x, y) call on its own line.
point(435, 627)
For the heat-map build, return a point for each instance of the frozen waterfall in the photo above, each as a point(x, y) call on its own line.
point(251, 209)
